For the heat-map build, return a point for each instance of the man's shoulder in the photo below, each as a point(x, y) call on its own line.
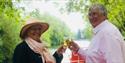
point(109, 28)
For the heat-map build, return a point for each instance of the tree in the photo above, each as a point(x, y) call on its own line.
point(9, 30)
point(79, 35)
point(87, 32)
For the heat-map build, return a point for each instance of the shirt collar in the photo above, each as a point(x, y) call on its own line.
point(99, 27)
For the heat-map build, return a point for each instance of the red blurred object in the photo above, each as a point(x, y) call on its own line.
point(76, 58)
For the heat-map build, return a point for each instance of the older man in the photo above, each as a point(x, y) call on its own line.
point(107, 45)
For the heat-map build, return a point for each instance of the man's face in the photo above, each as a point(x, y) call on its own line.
point(95, 17)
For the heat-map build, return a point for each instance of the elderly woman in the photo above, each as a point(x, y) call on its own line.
point(32, 49)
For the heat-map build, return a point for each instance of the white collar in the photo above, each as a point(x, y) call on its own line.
point(100, 26)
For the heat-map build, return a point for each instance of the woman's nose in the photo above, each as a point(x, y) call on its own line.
point(38, 30)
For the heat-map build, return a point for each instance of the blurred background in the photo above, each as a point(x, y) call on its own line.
point(67, 20)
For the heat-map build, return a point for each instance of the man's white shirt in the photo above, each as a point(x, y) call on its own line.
point(107, 45)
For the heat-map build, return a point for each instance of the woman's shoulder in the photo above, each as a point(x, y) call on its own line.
point(21, 45)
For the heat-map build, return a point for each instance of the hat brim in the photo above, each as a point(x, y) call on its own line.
point(24, 30)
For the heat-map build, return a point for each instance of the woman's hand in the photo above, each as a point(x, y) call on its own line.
point(61, 49)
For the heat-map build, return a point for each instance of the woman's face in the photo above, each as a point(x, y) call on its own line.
point(35, 32)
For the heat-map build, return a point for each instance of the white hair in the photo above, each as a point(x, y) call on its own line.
point(101, 8)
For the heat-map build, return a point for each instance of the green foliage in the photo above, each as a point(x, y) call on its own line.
point(9, 30)
point(87, 33)
point(82, 7)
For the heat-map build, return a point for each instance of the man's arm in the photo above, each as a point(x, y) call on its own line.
point(111, 48)
point(82, 53)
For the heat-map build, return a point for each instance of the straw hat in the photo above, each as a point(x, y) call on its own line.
point(30, 23)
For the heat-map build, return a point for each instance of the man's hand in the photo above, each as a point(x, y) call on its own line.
point(73, 46)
